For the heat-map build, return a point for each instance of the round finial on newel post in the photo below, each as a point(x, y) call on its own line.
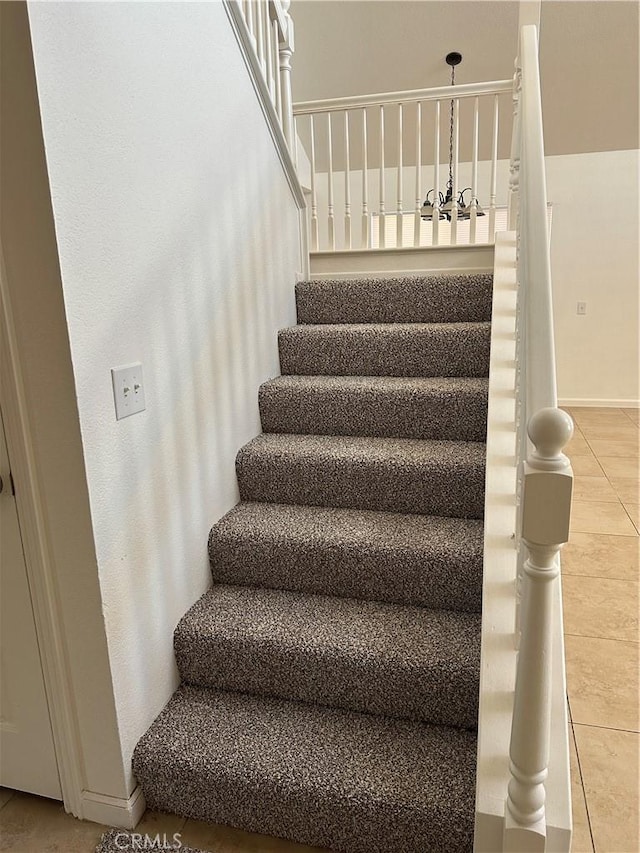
point(285, 5)
point(550, 430)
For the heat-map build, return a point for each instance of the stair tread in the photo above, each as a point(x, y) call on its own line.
point(390, 300)
point(432, 385)
point(366, 656)
point(408, 451)
point(349, 781)
point(408, 407)
point(395, 349)
point(428, 477)
point(412, 559)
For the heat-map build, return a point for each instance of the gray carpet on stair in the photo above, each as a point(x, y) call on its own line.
point(412, 349)
point(389, 474)
point(330, 676)
point(351, 782)
point(408, 559)
point(402, 407)
point(416, 299)
point(359, 655)
point(116, 840)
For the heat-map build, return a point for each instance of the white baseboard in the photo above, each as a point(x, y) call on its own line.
point(602, 404)
point(114, 811)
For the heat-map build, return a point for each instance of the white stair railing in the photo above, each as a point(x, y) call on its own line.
point(268, 29)
point(545, 480)
point(369, 153)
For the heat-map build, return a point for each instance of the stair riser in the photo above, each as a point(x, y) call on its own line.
point(447, 582)
point(368, 351)
point(442, 299)
point(372, 685)
point(408, 415)
point(304, 817)
point(426, 490)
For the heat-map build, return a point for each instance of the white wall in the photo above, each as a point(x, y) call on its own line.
point(594, 259)
point(179, 245)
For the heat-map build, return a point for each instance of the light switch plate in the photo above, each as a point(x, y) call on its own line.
point(128, 390)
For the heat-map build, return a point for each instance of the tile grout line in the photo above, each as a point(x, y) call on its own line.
point(606, 728)
point(584, 793)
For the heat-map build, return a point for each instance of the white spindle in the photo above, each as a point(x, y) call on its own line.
point(314, 194)
point(456, 150)
point(268, 32)
point(277, 94)
point(381, 219)
point(474, 173)
point(295, 142)
point(399, 240)
point(514, 167)
point(330, 217)
point(435, 222)
point(494, 172)
point(546, 509)
point(286, 52)
point(250, 19)
point(366, 241)
point(347, 184)
point(418, 220)
point(260, 45)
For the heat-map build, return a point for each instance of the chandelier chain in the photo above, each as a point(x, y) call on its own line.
point(453, 80)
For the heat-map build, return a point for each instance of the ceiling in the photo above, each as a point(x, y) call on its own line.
point(588, 57)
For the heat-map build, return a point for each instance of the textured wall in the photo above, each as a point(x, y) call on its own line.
point(179, 244)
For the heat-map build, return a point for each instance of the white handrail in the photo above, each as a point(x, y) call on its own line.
point(545, 476)
point(462, 90)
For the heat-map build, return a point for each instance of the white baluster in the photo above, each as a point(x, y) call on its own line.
point(435, 222)
point(314, 194)
point(399, 240)
point(251, 25)
point(260, 37)
point(347, 184)
point(286, 52)
point(295, 142)
point(546, 510)
point(474, 173)
point(330, 217)
point(494, 172)
point(381, 219)
point(418, 220)
point(514, 166)
point(456, 151)
point(277, 92)
point(366, 237)
point(268, 32)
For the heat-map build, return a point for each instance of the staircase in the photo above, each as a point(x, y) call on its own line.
point(330, 676)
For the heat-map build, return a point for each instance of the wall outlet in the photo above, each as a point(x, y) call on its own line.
point(128, 390)
point(582, 308)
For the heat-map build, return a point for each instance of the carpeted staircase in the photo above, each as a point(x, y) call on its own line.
point(330, 676)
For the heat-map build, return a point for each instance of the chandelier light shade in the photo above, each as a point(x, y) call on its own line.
point(446, 203)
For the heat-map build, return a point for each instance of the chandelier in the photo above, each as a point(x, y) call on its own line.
point(446, 203)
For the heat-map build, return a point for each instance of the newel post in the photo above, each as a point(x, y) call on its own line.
point(286, 49)
point(546, 507)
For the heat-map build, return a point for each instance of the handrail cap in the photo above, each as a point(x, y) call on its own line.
point(550, 429)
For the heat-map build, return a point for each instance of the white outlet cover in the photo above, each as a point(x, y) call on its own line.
point(128, 390)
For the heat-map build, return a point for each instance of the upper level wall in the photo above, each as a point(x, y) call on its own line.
point(179, 245)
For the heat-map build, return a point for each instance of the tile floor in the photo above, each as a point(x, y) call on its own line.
point(600, 586)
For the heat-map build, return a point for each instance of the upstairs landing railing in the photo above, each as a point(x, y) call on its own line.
point(370, 155)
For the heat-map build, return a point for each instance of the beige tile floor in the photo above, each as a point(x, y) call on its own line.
point(600, 587)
